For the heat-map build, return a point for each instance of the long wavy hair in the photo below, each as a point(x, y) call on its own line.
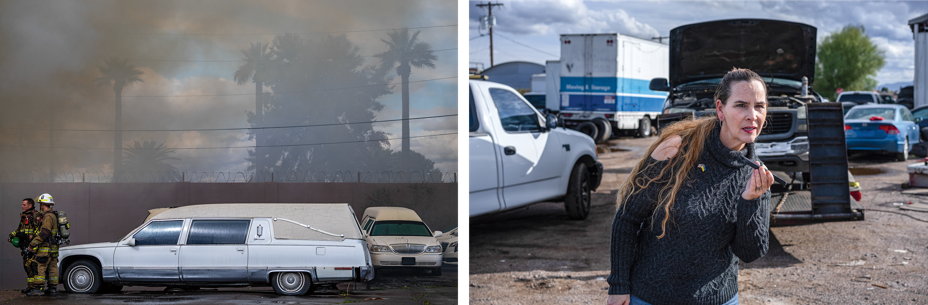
point(694, 133)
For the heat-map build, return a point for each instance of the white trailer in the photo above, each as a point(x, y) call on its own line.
point(604, 83)
point(919, 27)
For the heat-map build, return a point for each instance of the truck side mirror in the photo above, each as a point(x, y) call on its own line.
point(659, 84)
point(551, 121)
point(131, 242)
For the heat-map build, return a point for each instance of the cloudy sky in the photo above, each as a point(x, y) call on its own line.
point(189, 51)
point(538, 24)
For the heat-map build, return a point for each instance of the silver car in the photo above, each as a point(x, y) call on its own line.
point(291, 247)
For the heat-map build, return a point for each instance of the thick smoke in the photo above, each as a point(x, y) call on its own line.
point(50, 52)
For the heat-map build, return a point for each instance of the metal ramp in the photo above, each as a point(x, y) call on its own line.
point(829, 198)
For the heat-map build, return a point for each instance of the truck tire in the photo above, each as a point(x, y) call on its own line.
point(604, 128)
point(579, 196)
point(904, 155)
point(924, 133)
point(644, 127)
point(588, 128)
point(82, 276)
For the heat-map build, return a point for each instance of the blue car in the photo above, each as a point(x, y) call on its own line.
point(883, 128)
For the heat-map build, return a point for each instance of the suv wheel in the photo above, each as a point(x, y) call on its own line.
point(82, 276)
point(579, 196)
point(904, 155)
point(291, 283)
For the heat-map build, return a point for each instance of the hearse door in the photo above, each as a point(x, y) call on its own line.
point(153, 258)
point(215, 251)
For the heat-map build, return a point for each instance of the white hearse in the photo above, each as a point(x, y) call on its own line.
point(291, 247)
point(398, 238)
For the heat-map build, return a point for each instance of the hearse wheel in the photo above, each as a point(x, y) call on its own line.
point(82, 276)
point(291, 283)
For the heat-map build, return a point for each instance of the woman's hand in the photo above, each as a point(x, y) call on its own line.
point(617, 299)
point(761, 180)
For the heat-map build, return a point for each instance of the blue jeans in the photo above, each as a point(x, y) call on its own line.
point(636, 301)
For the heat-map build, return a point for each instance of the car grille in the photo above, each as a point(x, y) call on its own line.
point(778, 122)
point(408, 248)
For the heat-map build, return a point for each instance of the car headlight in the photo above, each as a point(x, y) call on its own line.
point(455, 245)
point(433, 249)
point(380, 248)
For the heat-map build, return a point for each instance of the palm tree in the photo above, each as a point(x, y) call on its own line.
point(119, 74)
point(405, 52)
point(146, 157)
point(257, 65)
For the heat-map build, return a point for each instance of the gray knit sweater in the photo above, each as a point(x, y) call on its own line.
point(710, 228)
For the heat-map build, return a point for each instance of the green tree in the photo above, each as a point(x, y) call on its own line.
point(145, 162)
point(847, 59)
point(119, 74)
point(404, 53)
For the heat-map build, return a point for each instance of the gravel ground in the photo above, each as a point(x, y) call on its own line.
point(536, 255)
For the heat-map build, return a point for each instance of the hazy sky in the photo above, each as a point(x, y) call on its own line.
point(539, 24)
point(189, 51)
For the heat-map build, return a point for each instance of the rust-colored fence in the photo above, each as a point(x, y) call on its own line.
point(101, 212)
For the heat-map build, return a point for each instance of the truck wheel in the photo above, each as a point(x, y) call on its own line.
point(604, 128)
point(644, 127)
point(82, 276)
point(579, 196)
point(904, 155)
point(588, 128)
point(924, 133)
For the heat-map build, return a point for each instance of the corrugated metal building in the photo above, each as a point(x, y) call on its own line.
point(515, 74)
point(919, 28)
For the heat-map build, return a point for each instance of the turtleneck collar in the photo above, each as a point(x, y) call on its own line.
point(723, 154)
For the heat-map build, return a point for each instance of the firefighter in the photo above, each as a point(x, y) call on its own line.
point(45, 248)
point(21, 237)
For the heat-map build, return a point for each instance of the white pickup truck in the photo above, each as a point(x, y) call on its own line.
point(518, 157)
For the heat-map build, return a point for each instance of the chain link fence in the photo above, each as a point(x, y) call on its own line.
point(233, 177)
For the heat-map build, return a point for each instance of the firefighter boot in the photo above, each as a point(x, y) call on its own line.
point(51, 291)
point(37, 291)
point(25, 290)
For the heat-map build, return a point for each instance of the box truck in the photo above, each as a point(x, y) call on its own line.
point(604, 82)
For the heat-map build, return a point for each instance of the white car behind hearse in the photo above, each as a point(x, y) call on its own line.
point(292, 247)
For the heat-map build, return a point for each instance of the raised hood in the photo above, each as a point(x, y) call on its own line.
point(771, 48)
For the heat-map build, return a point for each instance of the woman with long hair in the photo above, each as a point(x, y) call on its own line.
point(692, 207)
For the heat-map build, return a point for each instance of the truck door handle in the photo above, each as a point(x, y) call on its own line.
point(509, 150)
point(174, 250)
point(240, 249)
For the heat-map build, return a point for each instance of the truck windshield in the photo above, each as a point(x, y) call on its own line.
point(400, 228)
point(859, 99)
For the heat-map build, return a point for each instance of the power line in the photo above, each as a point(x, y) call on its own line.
point(301, 33)
point(240, 128)
point(525, 45)
point(240, 60)
point(288, 92)
point(475, 37)
point(235, 147)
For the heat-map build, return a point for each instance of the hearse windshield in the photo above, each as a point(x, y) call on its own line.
point(400, 228)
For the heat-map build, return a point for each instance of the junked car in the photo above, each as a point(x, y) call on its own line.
point(881, 128)
point(292, 247)
point(399, 239)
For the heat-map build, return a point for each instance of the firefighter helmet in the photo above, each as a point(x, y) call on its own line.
point(45, 199)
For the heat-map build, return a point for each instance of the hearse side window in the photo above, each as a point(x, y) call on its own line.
point(159, 233)
point(400, 228)
point(218, 232)
point(514, 113)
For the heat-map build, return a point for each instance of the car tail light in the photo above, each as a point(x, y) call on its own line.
point(876, 118)
point(666, 111)
point(889, 129)
point(847, 127)
point(856, 195)
point(566, 115)
point(342, 268)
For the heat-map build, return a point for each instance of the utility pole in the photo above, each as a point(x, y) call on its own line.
point(660, 39)
point(489, 7)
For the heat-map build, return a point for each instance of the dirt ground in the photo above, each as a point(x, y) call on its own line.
point(536, 255)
